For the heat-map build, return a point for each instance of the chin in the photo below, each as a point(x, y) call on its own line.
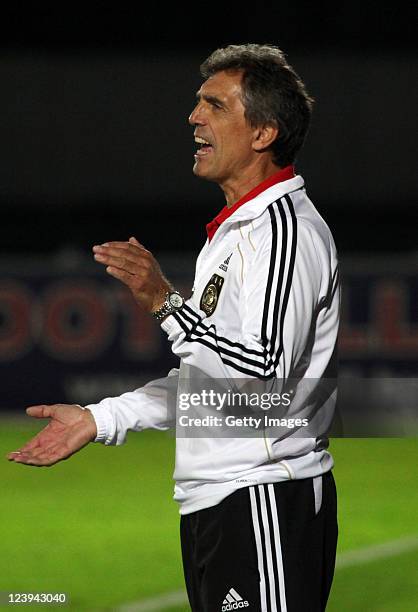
point(199, 171)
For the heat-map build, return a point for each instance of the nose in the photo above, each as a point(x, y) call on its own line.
point(196, 116)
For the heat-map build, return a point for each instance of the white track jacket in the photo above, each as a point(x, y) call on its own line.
point(276, 319)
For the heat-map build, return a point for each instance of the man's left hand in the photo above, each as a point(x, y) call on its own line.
point(131, 263)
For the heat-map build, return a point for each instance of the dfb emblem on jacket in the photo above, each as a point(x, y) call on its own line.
point(210, 295)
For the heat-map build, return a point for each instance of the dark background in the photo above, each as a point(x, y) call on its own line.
point(95, 143)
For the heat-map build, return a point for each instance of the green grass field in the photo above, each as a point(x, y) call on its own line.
point(102, 526)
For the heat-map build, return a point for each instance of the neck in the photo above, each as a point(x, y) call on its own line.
point(235, 188)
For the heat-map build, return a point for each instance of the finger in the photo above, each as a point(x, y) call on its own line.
point(40, 456)
point(121, 245)
point(21, 457)
point(36, 461)
point(32, 444)
point(36, 441)
point(115, 243)
point(45, 457)
point(12, 455)
point(122, 263)
point(41, 411)
point(126, 277)
point(131, 251)
point(134, 241)
point(32, 453)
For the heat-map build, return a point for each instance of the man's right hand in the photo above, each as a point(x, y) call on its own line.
point(70, 429)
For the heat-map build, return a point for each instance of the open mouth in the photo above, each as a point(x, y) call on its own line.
point(204, 148)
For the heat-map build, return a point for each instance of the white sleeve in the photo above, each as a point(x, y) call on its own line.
point(279, 300)
point(149, 407)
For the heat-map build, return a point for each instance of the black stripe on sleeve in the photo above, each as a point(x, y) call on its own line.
point(222, 351)
point(336, 282)
point(180, 322)
point(289, 276)
point(192, 313)
point(219, 338)
point(250, 373)
point(279, 279)
point(192, 335)
point(270, 275)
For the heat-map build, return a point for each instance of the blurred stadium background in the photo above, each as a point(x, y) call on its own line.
point(95, 146)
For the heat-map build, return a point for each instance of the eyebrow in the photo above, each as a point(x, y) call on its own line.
point(212, 99)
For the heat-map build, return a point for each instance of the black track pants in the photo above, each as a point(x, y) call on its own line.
point(264, 548)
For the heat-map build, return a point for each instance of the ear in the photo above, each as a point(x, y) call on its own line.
point(264, 135)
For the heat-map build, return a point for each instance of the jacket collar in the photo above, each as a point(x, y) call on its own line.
point(257, 200)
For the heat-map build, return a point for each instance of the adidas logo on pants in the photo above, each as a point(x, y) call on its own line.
point(233, 601)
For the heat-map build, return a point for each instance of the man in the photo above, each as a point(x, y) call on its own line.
point(258, 512)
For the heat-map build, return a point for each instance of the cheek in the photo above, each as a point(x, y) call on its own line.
point(238, 145)
point(241, 134)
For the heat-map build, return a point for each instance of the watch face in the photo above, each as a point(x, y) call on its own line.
point(176, 300)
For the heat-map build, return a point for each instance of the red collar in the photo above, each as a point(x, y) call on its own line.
point(282, 175)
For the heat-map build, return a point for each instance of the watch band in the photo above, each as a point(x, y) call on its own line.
point(173, 302)
point(162, 312)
